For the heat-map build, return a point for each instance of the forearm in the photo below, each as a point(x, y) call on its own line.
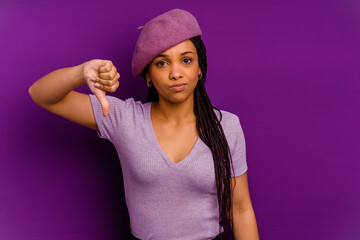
point(245, 227)
point(54, 86)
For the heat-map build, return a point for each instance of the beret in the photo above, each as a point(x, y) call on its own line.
point(162, 33)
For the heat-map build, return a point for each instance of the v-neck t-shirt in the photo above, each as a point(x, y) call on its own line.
point(166, 200)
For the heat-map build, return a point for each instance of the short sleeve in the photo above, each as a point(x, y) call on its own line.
point(109, 124)
point(238, 151)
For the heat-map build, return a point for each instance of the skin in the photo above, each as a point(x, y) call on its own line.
point(171, 116)
point(245, 226)
point(54, 91)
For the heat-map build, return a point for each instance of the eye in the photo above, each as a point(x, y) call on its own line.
point(187, 60)
point(160, 63)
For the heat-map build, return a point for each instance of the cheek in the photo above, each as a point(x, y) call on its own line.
point(194, 84)
point(160, 87)
point(195, 81)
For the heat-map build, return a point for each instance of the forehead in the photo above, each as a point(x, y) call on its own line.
point(184, 46)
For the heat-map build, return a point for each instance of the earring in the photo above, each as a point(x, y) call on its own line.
point(200, 76)
point(148, 83)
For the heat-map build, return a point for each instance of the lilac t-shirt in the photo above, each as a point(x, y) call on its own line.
point(166, 200)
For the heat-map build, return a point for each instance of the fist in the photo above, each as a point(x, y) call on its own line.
point(101, 76)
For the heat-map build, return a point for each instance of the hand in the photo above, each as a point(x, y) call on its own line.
point(101, 77)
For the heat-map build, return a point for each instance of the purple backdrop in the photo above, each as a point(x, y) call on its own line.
point(288, 69)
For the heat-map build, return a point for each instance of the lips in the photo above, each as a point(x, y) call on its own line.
point(178, 87)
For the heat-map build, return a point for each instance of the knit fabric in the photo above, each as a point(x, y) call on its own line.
point(162, 33)
point(166, 200)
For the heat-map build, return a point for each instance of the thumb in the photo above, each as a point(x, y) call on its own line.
point(104, 102)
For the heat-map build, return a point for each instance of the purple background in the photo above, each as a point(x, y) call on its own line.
point(288, 69)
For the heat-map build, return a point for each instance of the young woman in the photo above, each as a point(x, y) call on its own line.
point(183, 163)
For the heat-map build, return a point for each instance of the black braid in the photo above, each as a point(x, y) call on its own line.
point(211, 133)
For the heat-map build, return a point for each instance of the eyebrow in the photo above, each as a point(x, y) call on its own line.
point(163, 55)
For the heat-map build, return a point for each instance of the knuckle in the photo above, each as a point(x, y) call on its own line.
point(104, 83)
point(109, 89)
point(113, 88)
point(100, 81)
point(104, 76)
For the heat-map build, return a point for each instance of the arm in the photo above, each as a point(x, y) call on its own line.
point(245, 226)
point(54, 91)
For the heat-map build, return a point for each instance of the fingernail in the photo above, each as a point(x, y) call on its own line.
point(93, 79)
point(97, 85)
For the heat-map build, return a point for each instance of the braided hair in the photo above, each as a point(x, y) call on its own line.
point(211, 133)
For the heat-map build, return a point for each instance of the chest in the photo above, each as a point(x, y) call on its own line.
point(176, 159)
point(176, 142)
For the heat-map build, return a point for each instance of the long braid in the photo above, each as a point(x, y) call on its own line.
point(215, 139)
point(211, 133)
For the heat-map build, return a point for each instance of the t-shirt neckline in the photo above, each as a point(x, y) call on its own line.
point(172, 164)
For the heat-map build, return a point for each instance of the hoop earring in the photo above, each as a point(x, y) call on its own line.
point(200, 76)
point(148, 83)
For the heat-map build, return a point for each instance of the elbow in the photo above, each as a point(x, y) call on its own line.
point(30, 91)
point(242, 210)
point(33, 95)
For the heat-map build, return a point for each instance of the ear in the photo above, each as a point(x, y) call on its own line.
point(147, 77)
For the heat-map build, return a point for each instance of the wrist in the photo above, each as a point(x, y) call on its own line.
point(79, 75)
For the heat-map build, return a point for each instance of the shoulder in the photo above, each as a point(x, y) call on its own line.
point(227, 119)
point(127, 101)
point(119, 108)
point(115, 101)
point(230, 124)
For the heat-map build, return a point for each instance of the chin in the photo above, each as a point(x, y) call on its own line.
point(177, 98)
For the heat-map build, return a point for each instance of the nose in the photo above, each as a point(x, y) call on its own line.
point(175, 71)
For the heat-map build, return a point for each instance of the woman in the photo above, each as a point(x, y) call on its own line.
point(180, 159)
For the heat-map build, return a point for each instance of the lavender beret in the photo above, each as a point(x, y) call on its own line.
point(162, 33)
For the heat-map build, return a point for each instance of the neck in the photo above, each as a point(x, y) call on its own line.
point(174, 113)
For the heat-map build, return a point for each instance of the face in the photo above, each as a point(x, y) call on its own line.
point(174, 72)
